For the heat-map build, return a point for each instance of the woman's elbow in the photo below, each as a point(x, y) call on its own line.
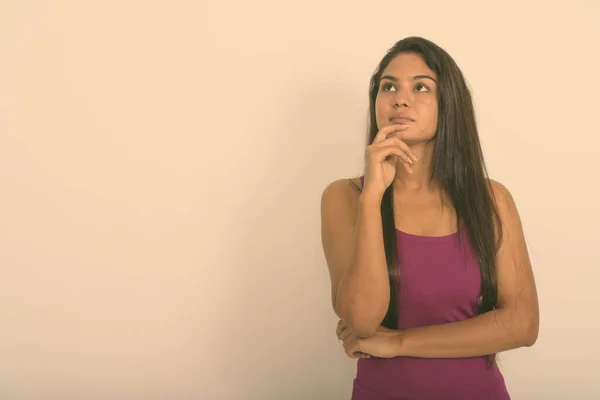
point(362, 329)
point(530, 335)
point(359, 323)
point(522, 328)
point(530, 327)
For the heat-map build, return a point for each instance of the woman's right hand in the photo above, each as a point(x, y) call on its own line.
point(381, 161)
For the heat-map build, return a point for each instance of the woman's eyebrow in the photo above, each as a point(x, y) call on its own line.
point(414, 78)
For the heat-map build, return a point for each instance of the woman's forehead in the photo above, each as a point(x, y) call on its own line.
point(406, 66)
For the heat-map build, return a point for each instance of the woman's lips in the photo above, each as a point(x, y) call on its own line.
point(402, 120)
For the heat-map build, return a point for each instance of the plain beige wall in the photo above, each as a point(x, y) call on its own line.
point(161, 165)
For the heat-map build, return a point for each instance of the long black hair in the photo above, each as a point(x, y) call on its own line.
point(458, 167)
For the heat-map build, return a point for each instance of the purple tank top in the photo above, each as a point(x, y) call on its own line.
point(440, 283)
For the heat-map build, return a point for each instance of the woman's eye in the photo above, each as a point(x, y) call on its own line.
point(421, 88)
point(387, 87)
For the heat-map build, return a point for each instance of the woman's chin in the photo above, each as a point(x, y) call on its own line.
point(414, 139)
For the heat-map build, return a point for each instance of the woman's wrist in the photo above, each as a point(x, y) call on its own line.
point(397, 341)
point(370, 199)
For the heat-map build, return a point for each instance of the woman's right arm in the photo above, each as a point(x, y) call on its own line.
point(351, 233)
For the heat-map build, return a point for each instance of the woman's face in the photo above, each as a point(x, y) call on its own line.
point(408, 95)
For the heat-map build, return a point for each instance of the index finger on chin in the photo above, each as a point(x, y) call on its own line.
point(386, 130)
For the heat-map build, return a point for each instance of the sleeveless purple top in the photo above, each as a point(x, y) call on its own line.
point(439, 283)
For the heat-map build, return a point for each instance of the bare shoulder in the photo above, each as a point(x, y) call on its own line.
point(498, 188)
point(341, 193)
point(504, 199)
point(510, 220)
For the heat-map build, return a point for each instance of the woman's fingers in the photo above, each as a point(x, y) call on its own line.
point(340, 327)
point(349, 343)
point(386, 130)
point(393, 150)
point(344, 334)
point(342, 331)
point(351, 347)
point(396, 141)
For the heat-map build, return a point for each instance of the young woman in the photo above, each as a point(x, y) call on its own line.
point(430, 273)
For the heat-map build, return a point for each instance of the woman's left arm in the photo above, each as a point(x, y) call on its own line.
point(513, 324)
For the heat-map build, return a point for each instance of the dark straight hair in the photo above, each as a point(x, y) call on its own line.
point(458, 167)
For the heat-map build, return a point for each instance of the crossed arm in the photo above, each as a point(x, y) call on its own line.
point(513, 324)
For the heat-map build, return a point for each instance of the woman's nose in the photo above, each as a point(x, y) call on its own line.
point(402, 98)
